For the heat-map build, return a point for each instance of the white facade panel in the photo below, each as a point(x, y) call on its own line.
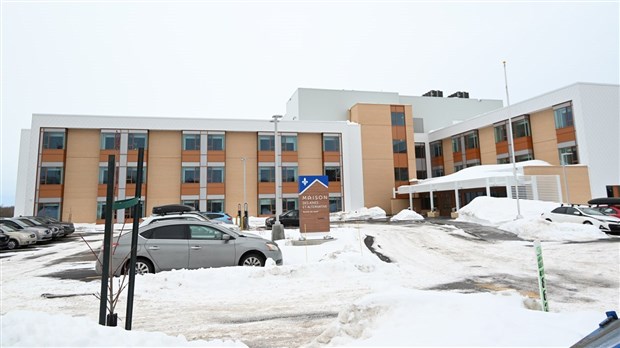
point(22, 189)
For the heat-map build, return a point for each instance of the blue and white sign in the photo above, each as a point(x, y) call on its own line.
point(306, 181)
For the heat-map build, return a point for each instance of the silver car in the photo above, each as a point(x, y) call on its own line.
point(43, 234)
point(178, 244)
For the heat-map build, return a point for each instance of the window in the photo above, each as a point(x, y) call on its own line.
point(335, 204)
point(333, 174)
point(49, 209)
point(205, 232)
point(472, 163)
point(215, 205)
point(266, 143)
point(289, 174)
point(129, 211)
point(53, 140)
point(51, 175)
point(289, 142)
point(215, 174)
point(456, 144)
point(136, 141)
point(267, 206)
point(501, 133)
point(132, 175)
point(420, 150)
point(194, 203)
point(398, 118)
point(215, 142)
point(525, 157)
point(471, 140)
point(401, 174)
point(110, 141)
point(458, 167)
point(436, 149)
point(563, 117)
point(101, 211)
point(421, 174)
point(399, 146)
point(266, 174)
point(190, 175)
point(437, 171)
point(521, 128)
point(331, 143)
point(289, 204)
point(503, 160)
point(170, 232)
point(191, 141)
point(568, 155)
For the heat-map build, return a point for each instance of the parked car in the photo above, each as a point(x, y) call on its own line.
point(18, 238)
point(69, 227)
point(181, 212)
point(288, 219)
point(43, 234)
point(218, 216)
point(607, 205)
point(4, 239)
point(191, 244)
point(611, 211)
point(584, 215)
point(57, 230)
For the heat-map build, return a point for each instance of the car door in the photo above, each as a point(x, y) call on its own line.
point(168, 247)
point(573, 215)
point(208, 248)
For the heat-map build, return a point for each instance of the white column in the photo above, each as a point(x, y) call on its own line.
point(456, 196)
point(432, 201)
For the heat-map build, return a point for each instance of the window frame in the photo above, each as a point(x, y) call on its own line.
point(195, 170)
point(195, 138)
point(213, 139)
point(47, 140)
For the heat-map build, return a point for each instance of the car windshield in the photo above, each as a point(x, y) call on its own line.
point(591, 211)
point(7, 228)
point(26, 222)
point(36, 222)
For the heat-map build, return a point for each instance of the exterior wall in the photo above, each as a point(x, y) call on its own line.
point(81, 175)
point(310, 154)
point(576, 177)
point(544, 136)
point(448, 158)
point(488, 153)
point(241, 145)
point(23, 199)
point(410, 143)
point(163, 169)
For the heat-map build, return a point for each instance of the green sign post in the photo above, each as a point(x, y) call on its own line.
point(541, 277)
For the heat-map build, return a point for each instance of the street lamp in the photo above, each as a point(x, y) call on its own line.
point(511, 144)
point(564, 161)
point(277, 231)
point(245, 200)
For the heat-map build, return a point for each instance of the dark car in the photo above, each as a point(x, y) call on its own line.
point(67, 226)
point(57, 230)
point(288, 219)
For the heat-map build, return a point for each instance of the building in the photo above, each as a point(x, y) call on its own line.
point(367, 143)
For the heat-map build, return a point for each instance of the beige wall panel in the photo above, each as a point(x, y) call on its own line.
point(544, 139)
point(240, 145)
point(487, 145)
point(448, 160)
point(81, 176)
point(164, 169)
point(310, 154)
point(378, 183)
point(410, 142)
point(372, 114)
point(577, 177)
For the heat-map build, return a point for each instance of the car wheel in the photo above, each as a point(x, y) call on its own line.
point(587, 223)
point(253, 260)
point(143, 266)
point(13, 244)
point(548, 220)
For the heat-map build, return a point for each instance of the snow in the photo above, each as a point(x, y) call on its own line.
point(374, 213)
point(407, 215)
point(445, 287)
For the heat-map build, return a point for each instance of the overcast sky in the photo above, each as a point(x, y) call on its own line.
point(244, 60)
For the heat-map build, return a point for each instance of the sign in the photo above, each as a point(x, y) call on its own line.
point(313, 203)
point(541, 277)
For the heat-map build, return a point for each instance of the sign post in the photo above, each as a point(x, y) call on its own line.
point(542, 286)
point(313, 203)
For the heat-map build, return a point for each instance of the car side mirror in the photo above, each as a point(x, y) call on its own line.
point(226, 237)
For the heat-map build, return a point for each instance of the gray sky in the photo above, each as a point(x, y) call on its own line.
point(244, 60)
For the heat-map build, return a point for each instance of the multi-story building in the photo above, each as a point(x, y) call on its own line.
point(367, 143)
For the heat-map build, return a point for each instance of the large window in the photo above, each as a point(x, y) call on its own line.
point(215, 142)
point(110, 141)
point(215, 174)
point(521, 128)
point(501, 134)
point(267, 206)
point(266, 174)
point(456, 144)
point(289, 142)
point(399, 145)
point(331, 143)
point(215, 205)
point(563, 117)
point(335, 204)
point(289, 174)
point(136, 141)
point(190, 175)
point(471, 140)
point(568, 155)
point(398, 118)
point(333, 174)
point(420, 150)
point(49, 209)
point(436, 149)
point(53, 140)
point(103, 175)
point(266, 143)
point(401, 174)
point(191, 141)
point(51, 175)
point(132, 175)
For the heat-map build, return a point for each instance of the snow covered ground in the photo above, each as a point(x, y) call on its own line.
point(444, 286)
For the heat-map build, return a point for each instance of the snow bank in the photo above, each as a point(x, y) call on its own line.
point(35, 329)
point(494, 211)
point(374, 213)
point(407, 215)
point(537, 228)
point(422, 318)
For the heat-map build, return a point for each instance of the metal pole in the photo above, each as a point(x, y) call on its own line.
point(278, 158)
point(134, 241)
point(245, 200)
point(107, 242)
point(564, 172)
point(512, 145)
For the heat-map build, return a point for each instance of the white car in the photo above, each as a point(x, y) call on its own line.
point(584, 215)
point(18, 238)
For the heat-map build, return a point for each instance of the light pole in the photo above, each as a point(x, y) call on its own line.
point(245, 200)
point(564, 161)
point(277, 231)
point(511, 144)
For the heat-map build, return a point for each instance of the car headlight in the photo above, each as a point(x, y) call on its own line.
point(272, 247)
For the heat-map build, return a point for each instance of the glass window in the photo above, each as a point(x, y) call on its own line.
point(103, 175)
point(401, 174)
point(335, 204)
point(194, 203)
point(421, 174)
point(289, 142)
point(267, 206)
point(501, 133)
point(563, 117)
point(101, 211)
point(503, 160)
point(205, 232)
point(53, 140)
point(398, 118)
point(215, 205)
point(399, 146)
point(471, 140)
point(129, 211)
point(266, 174)
point(191, 141)
point(132, 175)
point(215, 142)
point(568, 155)
point(190, 175)
point(437, 172)
point(49, 209)
point(333, 174)
point(521, 128)
point(420, 150)
point(170, 232)
point(456, 144)
point(110, 141)
point(289, 204)
point(525, 157)
point(436, 149)
point(136, 141)
point(51, 175)
point(215, 174)
point(289, 174)
point(458, 167)
point(331, 143)
point(266, 143)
